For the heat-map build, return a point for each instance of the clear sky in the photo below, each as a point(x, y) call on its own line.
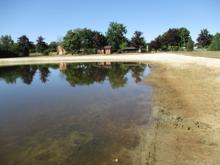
point(52, 18)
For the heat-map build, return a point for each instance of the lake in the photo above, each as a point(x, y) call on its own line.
point(83, 113)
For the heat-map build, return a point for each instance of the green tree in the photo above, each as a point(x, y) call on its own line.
point(205, 38)
point(7, 47)
point(155, 44)
point(184, 34)
point(71, 41)
point(172, 38)
point(78, 39)
point(116, 35)
point(215, 44)
point(190, 45)
point(41, 46)
point(53, 46)
point(23, 46)
point(123, 45)
point(138, 40)
point(6, 42)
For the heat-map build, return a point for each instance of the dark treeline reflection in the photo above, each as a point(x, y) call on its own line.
point(76, 74)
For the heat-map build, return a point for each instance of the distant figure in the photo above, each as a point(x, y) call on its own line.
point(60, 50)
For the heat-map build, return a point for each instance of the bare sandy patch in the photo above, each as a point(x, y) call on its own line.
point(185, 126)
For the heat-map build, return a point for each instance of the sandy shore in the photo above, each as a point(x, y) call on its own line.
point(185, 127)
point(185, 123)
point(158, 58)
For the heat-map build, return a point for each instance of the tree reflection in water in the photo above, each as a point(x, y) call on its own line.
point(76, 74)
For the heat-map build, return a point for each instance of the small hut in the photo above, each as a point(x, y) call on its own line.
point(60, 50)
point(105, 50)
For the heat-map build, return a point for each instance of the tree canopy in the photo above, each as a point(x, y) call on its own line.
point(116, 35)
point(86, 39)
point(41, 46)
point(215, 44)
point(7, 47)
point(23, 45)
point(138, 40)
point(205, 38)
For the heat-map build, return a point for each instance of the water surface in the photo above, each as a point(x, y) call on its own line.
point(85, 113)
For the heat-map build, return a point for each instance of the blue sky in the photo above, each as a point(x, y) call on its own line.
point(52, 18)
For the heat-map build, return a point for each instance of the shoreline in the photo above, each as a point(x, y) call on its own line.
point(185, 115)
point(173, 59)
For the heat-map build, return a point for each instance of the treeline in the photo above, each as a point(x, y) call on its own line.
point(87, 41)
point(179, 39)
point(23, 47)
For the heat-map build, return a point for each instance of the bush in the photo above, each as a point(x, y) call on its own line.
point(190, 45)
point(90, 51)
point(215, 45)
point(7, 54)
point(46, 52)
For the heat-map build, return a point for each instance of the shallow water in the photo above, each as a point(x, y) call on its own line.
point(72, 113)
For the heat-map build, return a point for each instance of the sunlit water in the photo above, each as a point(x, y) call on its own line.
point(72, 114)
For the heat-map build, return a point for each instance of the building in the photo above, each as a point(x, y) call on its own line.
point(105, 50)
point(108, 49)
point(129, 50)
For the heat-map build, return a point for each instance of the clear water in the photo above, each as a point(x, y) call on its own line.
point(81, 114)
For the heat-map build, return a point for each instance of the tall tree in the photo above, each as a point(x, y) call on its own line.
point(204, 39)
point(78, 39)
point(6, 42)
point(155, 44)
point(71, 41)
point(23, 45)
point(7, 47)
point(171, 39)
point(138, 40)
point(41, 46)
point(184, 34)
point(116, 35)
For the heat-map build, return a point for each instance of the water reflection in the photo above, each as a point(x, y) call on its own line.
point(76, 74)
point(72, 113)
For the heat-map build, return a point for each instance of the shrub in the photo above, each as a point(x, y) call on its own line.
point(46, 52)
point(190, 45)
